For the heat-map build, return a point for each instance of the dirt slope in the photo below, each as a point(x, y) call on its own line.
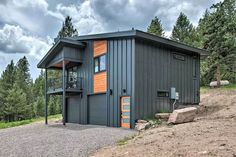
point(213, 133)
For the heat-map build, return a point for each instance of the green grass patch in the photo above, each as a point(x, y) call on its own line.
point(230, 86)
point(125, 140)
point(153, 121)
point(205, 89)
point(28, 121)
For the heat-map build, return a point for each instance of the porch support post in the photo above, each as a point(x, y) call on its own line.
point(46, 97)
point(63, 94)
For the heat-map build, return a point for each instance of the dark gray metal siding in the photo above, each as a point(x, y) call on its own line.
point(156, 69)
point(73, 53)
point(85, 71)
point(68, 53)
point(97, 109)
point(56, 58)
point(120, 77)
point(73, 108)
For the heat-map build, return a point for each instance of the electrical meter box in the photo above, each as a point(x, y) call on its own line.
point(173, 94)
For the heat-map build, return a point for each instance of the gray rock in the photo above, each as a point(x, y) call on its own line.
point(142, 126)
point(182, 115)
point(142, 121)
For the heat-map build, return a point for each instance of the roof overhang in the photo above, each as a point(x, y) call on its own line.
point(143, 35)
point(57, 47)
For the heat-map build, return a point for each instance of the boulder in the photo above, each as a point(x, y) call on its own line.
point(222, 83)
point(141, 121)
point(163, 116)
point(142, 126)
point(182, 115)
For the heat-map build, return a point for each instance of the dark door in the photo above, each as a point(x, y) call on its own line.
point(97, 109)
point(73, 109)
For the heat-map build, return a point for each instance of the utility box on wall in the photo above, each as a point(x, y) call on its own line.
point(173, 94)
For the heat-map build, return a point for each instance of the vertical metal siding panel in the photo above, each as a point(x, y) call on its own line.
point(136, 78)
point(144, 80)
point(120, 65)
point(129, 65)
point(152, 86)
point(132, 80)
point(198, 78)
point(111, 82)
point(115, 83)
point(149, 81)
point(124, 64)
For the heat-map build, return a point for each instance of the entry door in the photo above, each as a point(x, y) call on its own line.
point(125, 112)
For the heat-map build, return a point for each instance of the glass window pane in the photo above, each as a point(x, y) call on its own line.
point(125, 120)
point(126, 114)
point(126, 107)
point(126, 100)
point(96, 65)
point(103, 63)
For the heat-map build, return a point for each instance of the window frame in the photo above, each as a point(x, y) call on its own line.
point(98, 58)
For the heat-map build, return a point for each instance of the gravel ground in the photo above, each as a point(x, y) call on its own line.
point(55, 139)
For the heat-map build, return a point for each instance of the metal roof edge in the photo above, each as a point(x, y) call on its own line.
point(62, 41)
point(118, 34)
point(167, 41)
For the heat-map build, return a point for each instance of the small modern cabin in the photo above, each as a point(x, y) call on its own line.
point(114, 79)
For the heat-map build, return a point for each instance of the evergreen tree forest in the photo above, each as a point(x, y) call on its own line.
point(215, 32)
point(21, 97)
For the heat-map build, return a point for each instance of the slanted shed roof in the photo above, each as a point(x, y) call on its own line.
point(57, 47)
point(78, 42)
point(147, 36)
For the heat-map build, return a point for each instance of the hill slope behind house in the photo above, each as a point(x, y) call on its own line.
point(213, 133)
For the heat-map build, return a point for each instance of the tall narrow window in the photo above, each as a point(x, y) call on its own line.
point(100, 63)
point(96, 65)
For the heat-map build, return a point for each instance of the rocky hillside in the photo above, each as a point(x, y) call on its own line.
point(213, 132)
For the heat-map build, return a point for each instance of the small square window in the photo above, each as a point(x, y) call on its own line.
point(126, 100)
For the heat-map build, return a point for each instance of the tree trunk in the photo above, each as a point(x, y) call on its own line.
point(218, 75)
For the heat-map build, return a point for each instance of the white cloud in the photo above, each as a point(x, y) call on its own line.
point(13, 39)
point(36, 4)
point(83, 16)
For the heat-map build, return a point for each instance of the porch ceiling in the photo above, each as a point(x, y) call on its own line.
point(59, 64)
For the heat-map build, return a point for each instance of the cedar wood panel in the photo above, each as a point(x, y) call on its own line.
point(99, 79)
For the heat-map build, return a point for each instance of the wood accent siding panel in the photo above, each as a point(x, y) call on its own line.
point(100, 82)
point(99, 47)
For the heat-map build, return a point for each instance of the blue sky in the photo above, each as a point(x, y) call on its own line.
point(28, 27)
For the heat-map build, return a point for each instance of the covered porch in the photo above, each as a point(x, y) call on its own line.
point(64, 57)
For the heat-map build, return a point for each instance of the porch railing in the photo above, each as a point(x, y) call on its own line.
point(70, 83)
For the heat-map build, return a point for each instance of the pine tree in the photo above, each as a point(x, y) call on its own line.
point(38, 95)
point(7, 81)
point(24, 82)
point(15, 108)
point(220, 40)
point(183, 30)
point(67, 29)
point(23, 79)
point(155, 27)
